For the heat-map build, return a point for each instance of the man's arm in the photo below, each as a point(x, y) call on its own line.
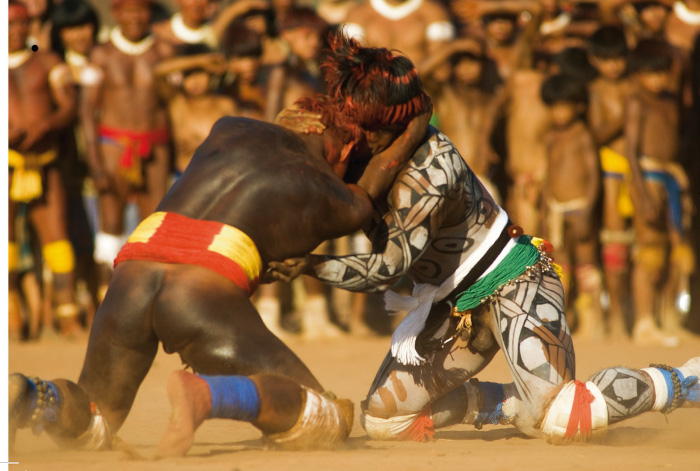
point(405, 231)
point(64, 99)
point(90, 103)
point(633, 128)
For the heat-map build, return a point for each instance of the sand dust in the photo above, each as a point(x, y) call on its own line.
point(347, 367)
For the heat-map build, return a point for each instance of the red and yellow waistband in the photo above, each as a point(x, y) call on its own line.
point(173, 238)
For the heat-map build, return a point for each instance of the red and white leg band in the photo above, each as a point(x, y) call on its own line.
point(577, 411)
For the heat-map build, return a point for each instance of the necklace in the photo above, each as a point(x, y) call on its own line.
point(128, 47)
point(395, 12)
point(75, 59)
point(203, 34)
point(16, 59)
point(685, 14)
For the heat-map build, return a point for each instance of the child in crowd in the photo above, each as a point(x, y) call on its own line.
point(660, 192)
point(192, 106)
point(606, 116)
point(569, 198)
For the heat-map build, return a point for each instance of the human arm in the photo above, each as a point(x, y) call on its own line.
point(583, 229)
point(63, 96)
point(416, 211)
point(432, 61)
point(213, 62)
point(382, 169)
point(89, 112)
point(233, 11)
point(633, 129)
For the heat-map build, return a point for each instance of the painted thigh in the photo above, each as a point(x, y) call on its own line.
point(530, 326)
point(401, 390)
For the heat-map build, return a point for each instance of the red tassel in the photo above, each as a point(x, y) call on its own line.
point(422, 429)
point(580, 417)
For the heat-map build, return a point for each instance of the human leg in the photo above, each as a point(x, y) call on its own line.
point(109, 237)
point(120, 351)
point(238, 362)
point(409, 402)
point(616, 239)
point(589, 283)
point(49, 217)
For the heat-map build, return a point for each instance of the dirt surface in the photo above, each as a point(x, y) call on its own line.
point(347, 367)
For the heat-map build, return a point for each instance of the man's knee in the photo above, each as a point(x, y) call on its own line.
point(416, 427)
point(575, 413)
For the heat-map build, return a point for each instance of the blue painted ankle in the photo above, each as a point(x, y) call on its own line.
point(490, 411)
point(233, 397)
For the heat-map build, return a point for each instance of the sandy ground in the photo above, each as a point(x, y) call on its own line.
point(347, 367)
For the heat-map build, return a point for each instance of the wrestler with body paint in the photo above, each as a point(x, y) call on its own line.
point(480, 286)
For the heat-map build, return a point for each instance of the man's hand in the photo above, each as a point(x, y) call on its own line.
point(285, 271)
point(102, 181)
point(300, 121)
point(34, 134)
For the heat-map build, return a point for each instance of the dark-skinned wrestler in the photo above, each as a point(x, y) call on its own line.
point(480, 286)
point(253, 193)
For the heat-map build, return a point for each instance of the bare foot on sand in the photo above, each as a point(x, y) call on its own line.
point(190, 400)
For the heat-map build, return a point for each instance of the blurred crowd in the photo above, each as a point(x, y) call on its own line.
point(580, 117)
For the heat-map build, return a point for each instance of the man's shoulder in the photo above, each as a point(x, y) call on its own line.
point(361, 12)
point(432, 11)
point(437, 152)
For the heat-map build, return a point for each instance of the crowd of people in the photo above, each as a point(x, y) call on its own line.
point(579, 118)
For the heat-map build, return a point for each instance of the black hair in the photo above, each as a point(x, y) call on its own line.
point(499, 15)
point(239, 41)
point(68, 14)
point(650, 55)
point(573, 62)
point(302, 17)
point(159, 12)
point(608, 42)
point(192, 49)
point(457, 57)
point(639, 6)
point(558, 88)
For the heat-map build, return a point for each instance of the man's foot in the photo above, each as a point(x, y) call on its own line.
point(190, 400)
point(18, 394)
point(647, 334)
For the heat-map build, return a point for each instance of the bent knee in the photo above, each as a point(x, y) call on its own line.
point(576, 413)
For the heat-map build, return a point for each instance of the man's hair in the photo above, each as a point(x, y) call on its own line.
point(371, 85)
point(68, 14)
point(573, 62)
point(558, 88)
point(650, 55)
point(639, 6)
point(302, 17)
point(506, 15)
point(192, 49)
point(608, 42)
point(239, 41)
